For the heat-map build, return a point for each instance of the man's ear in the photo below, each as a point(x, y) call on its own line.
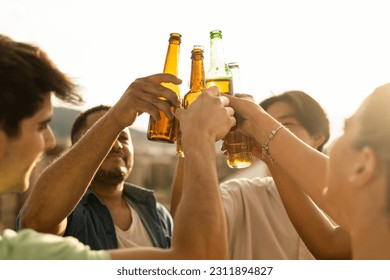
point(365, 167)
point(318, 140)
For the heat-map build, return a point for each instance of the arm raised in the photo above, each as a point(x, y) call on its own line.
point(63, 183)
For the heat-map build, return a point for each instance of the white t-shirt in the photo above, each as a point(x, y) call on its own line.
point(258, 225)
point(135, 236)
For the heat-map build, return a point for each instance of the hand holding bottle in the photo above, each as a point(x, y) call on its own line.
point(238, 149)
point(163, 129)
point(196, 122)
point(249, 113)
point(143, 95)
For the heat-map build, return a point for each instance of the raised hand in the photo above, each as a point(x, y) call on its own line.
point(143, 95)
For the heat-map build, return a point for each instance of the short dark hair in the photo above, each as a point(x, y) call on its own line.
point(307, 111)
point(27, 75)
point(81, 121)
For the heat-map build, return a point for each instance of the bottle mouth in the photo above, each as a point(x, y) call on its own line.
point(176, 36)
point(215, 34)
point(200, 47)
point(215, 31)
point(232, 65)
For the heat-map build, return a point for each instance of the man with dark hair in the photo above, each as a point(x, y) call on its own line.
point(27, 77)
point(112, 213)
point(305, 110)
point(200, 229)
point(258, 224)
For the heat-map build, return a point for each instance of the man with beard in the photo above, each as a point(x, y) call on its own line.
point(113, 213)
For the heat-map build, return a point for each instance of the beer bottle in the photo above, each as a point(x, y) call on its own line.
point(238, 145)
point(197, 86)
point(219, 74)
point(164, 130)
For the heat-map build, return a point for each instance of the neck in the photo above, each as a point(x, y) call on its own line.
point(370, 240)
point(108, 193)
point(370, 227)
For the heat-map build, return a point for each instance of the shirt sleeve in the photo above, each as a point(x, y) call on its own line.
point(233, 203)
point(29, 244)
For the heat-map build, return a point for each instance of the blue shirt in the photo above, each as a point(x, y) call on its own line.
point(92, 224)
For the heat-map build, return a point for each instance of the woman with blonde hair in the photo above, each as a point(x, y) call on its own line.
point(352, 184)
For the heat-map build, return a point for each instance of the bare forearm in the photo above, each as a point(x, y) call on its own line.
point(306, 166)
point(201, 192)
point(323, 239)
point(207, 229)
point(62, 184)
point(177, 185)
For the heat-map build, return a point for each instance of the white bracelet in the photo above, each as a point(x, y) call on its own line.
point(265, 148)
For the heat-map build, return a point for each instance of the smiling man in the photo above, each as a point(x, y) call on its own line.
point(112, 213)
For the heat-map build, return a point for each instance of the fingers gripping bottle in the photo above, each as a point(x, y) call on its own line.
point(238, 149)
point(197, 86)
point(238, 145)
point(164, 130)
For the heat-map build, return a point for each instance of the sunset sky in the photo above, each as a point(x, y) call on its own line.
point(336, 51)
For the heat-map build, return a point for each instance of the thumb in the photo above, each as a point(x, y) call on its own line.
point(179, 113)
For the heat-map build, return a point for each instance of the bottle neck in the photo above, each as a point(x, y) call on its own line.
point(172, 58)
point(197, 82)
point(217, 52)
point(171, 65)
point(237, 85)
point(218, 66)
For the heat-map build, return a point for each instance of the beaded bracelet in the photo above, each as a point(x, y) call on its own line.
point(265, 148)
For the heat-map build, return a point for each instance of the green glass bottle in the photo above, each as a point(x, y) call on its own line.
point(219, 73)
point(238, 152)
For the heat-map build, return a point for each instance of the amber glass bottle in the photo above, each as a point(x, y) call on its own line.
point(197, 86)
point(164, 130)
point(238, 152)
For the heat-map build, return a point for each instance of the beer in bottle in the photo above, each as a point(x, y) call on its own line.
point(238, 145)
point(164, 130)
point(219, 74)
point(197, 86)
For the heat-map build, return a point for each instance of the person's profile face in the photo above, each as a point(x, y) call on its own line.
point(341, 167)
point(20, 154)
point(285, 114)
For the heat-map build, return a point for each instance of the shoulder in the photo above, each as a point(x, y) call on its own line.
point(246, 184)
point(236, 192)
point(29, 244)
